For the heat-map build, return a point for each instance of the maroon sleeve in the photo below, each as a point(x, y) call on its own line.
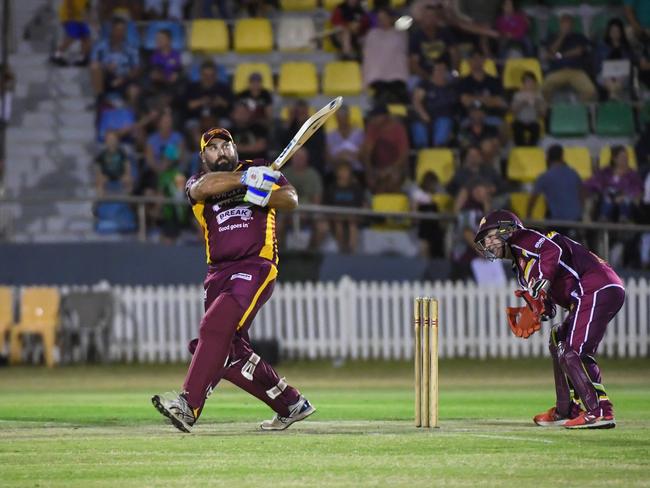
point(536, 244)
point(193, 179)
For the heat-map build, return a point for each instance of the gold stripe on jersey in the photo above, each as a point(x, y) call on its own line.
point(268, 250)
point(197, 209)
point(529, 265)
point(273, 273)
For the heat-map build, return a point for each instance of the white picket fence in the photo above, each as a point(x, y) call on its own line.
point(359, 320)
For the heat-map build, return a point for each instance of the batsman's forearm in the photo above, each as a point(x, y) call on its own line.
point(284, 198)
point(215, 183)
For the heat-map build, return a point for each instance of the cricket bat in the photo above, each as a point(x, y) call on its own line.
point(311, 125)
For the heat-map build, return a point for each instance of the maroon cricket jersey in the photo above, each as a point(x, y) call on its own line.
point(233, 229)
point(571, 269)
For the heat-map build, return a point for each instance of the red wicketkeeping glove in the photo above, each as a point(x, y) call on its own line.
point(523, 321)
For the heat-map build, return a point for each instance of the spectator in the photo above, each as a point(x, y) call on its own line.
point(568, 54)
point(352, 22)
point(429, 232)
point(165, 151)
point(345, 142)
point(109, 8)
point(174, 217)
point(113, 62)
point(474, 171)
point(513, 26)
point(345, 191)
point(476, 132)
point(316, 147)
point(528, 107)
point(7, 84)
point(258, 99)
point(113, 173)
point(164, 9)
point(637, 13)
point(614, 58)
point(431, 41)
point(207, 102)
point(385, 62)
point(166, 58)
point(617, 188)
point(73, 15)
point(644, 65)
point(561, 186)
point(644, 218)
point(145, 112)
point(117, 117)
point(250, 136)
point(479, 89)
point(435, 101)
point(385, 152)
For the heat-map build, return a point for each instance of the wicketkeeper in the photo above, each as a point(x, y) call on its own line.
point(555, 270)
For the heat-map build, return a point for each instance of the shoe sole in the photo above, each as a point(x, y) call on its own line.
point(599, 424)
point(176, 422)
point(551, 423)
point(298, 418)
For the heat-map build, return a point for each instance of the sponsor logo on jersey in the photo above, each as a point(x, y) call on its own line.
point(241, 276)
point(539, 243)
point(243, 213)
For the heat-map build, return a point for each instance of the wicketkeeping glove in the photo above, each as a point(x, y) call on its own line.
point(257, 196)
point(260, 177)
point(523, 321)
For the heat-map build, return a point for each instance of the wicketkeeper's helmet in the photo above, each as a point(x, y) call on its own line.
point(504, 221)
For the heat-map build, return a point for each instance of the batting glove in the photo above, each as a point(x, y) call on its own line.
point(257, 197)
point(260, 177)
point(538, 288)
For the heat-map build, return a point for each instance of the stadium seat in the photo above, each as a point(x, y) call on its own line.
point(606, 156)
point(569, 120)
point(342, 78)
point(114, 218)
point(578, 158)
point(444, 202)
point(519, 205)
point(298, 5)
point(393, 3)
point(525, 164)
point(597, 27)
point(356, 119)
point(298, 79)
point(614, 119)
point(253, 36)
point(175, 28)
point(489, 66)
point(439, 161)
point(244, 70)
point(398, 109)
point(6, 314)
point(39, 315)
point(208, 36)
point(295, 34)
point(554, 22)
point(516, 67)
point(391, 202)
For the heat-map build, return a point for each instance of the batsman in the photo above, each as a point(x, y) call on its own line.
point(553, 269)
point(235, 203)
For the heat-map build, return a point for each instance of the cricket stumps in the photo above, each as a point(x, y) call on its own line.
point(425, 325)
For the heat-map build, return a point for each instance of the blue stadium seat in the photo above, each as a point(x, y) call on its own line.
point(114, 217)
point(132, 34)
point(176, 29)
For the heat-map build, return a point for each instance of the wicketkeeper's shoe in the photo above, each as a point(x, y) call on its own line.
point(591, 420)
point(298, 411)
point(177, 410)
point(550, 418)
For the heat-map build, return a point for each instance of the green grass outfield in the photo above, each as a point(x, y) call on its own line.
point(95, 426)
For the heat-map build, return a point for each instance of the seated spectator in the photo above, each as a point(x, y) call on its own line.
point(116, 117)
point(164, 9)
point(478, 89)
point(385, 62)
point(429, 42)
point(614, 61)
point(352, 22)
point(344, 143)
point(637, 15)
point(250, 136)
point(164, 152)
point(258, 99)
point(315, 146)
point(476, 132)
point(561, 187)
point(113, 62)
point(617, 188)
point(113, 173)
point(528, 107)
point(568, 56)
point(513, 26)
point(385, 152)
point(474, 171)
point(206, 102)
point(166, 58)
point(145, 111)
point(73, 15)
point(429, 231)
point(345, 191)
point(435, 101)
point(174, 217)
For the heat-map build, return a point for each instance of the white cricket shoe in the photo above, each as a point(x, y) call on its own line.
point(298, 411)
point(176, 409)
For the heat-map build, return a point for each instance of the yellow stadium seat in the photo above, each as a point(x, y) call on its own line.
point(391, 202)
point(243, 72)
point(606, 156)
point(356, 119)
point(6, 314)
point(516, 67)
point(489, 66)
point(398, 109)
point(371, 3)
point(444, 202)
point(298, 79)
point(519, 205)
point(525, 164)
point(439, 161)
point(298, 5)
point(579, 159)
point(253, 36)
point(39, 315)
point(342, 78)
point(209, 36)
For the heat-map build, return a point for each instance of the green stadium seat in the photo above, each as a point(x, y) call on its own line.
point(614, 119)
point(569, 120)
point(554, 24)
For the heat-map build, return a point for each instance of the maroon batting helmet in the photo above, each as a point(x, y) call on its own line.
point(504, 221)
